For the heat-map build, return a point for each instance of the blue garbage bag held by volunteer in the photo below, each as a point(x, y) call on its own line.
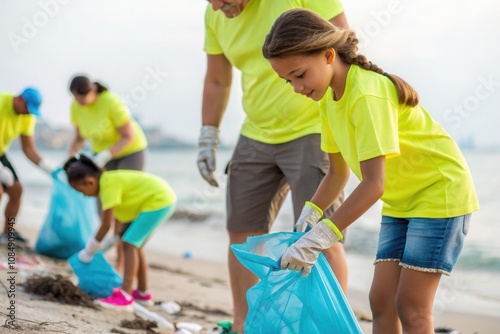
point(96, 278)
point(72, 219)
point(285, 302)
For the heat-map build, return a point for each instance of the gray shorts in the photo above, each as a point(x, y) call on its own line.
point(261, 175)
point(134, 161)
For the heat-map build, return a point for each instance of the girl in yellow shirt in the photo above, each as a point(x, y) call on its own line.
point(140, 202)
point(372, 123)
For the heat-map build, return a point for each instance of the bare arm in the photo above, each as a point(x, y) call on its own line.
point(76, 144)
point(340, 21)
point(29, 149)
point(126, 135)
point(106, 220)
point(332, 184)
point(370, 189)
point(216, 89)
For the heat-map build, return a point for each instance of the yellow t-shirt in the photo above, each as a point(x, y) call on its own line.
point(274, 113)
point(99, 122)
point(426, 174)
point(12, 124)
point(130, 192)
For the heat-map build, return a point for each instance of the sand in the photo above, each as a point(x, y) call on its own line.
point(199, 286)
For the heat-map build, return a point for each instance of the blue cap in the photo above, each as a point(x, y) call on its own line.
point(33, 100)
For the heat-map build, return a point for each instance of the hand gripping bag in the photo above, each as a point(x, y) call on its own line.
point(284, 302)
point(96, 278)
point(72, 219)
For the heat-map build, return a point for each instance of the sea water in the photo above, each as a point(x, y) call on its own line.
point(198, 228)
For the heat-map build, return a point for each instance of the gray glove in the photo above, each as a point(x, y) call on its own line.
point(310, 215)
point(207, 145)
point(87, 254)
point(47, 166)
point(109, 242)
point(6, 176)
point(102, 158)
point(304, 252)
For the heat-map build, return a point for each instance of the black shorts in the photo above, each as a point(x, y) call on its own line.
point(7, 164)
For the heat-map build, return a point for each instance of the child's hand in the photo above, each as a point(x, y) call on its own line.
point(87, 254)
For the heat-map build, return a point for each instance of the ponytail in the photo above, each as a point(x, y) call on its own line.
point(303, 32)
point(79, 167)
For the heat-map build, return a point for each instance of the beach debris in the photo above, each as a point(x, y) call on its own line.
point(191, 327)
point(446, 330)
point(24, 262)
point(170, 307)
point(182, 331)
point(187, 255)
point(190, 215)
point(138, 323)
point(58, 288)
point(144, 313)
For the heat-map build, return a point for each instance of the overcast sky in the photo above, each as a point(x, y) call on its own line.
point(151, 53)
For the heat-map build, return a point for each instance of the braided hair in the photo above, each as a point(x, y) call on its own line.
point(303, 32)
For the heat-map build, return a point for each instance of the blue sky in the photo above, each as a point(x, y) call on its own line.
point(150, 52)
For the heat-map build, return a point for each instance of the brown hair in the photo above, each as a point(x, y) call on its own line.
point(79, 167)
point(82, 85)
point(302, 32)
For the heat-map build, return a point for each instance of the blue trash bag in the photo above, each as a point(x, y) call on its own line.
point(72, 219)
point(96, 278)
point(283, 301)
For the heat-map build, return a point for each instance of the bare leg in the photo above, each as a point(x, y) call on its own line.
point(383, 298)
point(14, 203)
point(131, 256)
point(119, 248)
point(241, 280)
point(142, 274)
point(414, 300)
point(337, 260)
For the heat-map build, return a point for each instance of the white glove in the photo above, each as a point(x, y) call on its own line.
point(102, 158)
point(109, 242)
point(310, 215)
point(207, 145)
point(87, 254)
point(6, 176)
point(47, 166)
point(304, 252)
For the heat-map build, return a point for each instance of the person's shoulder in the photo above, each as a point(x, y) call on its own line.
point(5, 96)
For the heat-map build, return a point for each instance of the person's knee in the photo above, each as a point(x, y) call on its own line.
point(379, 302)
point(411, 313)
point(237, 237)
point(15, 192)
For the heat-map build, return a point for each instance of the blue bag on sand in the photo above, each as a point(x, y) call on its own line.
point(71, 221)
point(96, 278)
point(283, 301)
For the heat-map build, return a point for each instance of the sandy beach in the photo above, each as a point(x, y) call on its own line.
point(199, 286)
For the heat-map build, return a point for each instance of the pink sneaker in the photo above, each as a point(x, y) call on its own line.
point(118, 300)
point(146, 300)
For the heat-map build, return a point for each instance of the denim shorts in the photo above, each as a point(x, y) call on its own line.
point(423, 244)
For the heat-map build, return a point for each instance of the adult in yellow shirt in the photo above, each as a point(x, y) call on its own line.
point(372, 122)
point(102, 118)
point(279, 147)
point(17, 119)
point(141, 202)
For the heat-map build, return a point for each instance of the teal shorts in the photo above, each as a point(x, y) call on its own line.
point(137, 232)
